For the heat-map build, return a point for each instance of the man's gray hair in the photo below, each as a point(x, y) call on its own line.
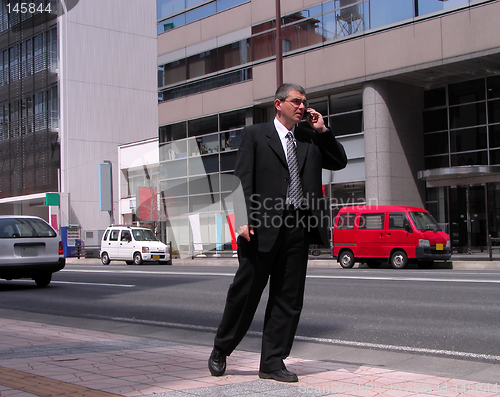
point(284, 89)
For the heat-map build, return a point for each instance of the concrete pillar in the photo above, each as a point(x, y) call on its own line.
point(394, 148)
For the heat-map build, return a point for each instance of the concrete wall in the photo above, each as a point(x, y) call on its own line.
point(394, 148)
point(108, 95)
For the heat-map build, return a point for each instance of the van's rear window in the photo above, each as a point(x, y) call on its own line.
point(25, 228)
point(371, 221)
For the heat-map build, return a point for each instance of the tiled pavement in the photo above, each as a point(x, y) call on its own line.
point(38, 359)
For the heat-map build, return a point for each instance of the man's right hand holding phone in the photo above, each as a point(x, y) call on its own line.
point(315, 120)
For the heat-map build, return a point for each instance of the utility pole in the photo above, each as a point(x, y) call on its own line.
point(278, 46)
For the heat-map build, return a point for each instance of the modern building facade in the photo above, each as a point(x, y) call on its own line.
point(410, 87)
point(75, 82)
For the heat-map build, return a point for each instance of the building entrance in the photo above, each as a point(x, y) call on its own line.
point(468, 212)
point(468, 217)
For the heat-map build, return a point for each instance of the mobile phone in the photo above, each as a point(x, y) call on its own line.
point(307, 116)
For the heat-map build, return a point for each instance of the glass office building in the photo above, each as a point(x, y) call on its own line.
point(408, 86)
point(67, 102)
point(29, 102)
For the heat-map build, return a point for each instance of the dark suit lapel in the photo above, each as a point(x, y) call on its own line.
point(275, 143)
point(302, 146)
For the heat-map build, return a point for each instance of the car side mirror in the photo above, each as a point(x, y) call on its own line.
point(408, 228)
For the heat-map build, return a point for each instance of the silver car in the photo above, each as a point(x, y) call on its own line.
point(29, 248)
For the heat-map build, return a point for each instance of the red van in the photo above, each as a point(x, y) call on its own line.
point(394, 233)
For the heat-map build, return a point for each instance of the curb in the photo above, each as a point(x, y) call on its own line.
point(460, 264)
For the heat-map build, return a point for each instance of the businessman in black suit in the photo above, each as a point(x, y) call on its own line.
point(279, 167)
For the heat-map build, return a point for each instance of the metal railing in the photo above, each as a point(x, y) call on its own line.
point(491, 247)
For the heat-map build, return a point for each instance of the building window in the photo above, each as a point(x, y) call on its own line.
point(182, 12)
point(202, 126)
point(207, 84)
point(29, 57)
point(436, 143)
point(175, 71)
point(462, 123)
point(161, 71)
point(40, 53)
point(217, 59)
point(173, 132)
point(347, 194)
point(169, 7)
point(193, 154)
point(141, 178)
point(424, 7)
point(346, 113)
point(14, 63)
point(4, 71)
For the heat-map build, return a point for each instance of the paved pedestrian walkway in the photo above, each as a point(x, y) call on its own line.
point(38, 359)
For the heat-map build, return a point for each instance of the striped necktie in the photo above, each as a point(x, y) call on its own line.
point(295, 194)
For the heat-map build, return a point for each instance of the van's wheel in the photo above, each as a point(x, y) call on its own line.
point(346, 259)
point(137, 258)
point(399, 259)
point(105, 258)
point(42, 280)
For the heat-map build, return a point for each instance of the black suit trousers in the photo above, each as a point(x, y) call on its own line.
point(284, 266)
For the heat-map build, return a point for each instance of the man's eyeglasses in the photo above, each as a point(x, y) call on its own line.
point(296, 102)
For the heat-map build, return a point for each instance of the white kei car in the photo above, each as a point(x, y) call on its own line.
point(134, 245)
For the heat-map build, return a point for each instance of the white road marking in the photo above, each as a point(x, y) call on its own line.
point(149, 272)
point(99, 284)
point(403, 349)
point(79, 283)
point(450, 280)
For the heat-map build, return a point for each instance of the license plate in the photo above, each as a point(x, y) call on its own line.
point(29, 251)
point(156, 256)
point(439, 247)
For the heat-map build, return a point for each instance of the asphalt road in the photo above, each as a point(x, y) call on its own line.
point(425, 312)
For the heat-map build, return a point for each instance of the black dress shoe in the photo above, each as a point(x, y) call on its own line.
point(217, 362)
point(281, 375)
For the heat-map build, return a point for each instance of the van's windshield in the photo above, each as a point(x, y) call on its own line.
point(143, 235)
point(424, 221)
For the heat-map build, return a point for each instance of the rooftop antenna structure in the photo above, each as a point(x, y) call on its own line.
point(350, 19)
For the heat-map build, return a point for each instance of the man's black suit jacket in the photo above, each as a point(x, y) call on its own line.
point(262, 170)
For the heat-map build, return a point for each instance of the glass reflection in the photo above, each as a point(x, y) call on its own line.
point(427, 6)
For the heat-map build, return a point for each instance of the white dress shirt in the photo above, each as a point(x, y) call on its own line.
point(282, 132)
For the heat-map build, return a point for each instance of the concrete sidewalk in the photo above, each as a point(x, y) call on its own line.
point(40, 359)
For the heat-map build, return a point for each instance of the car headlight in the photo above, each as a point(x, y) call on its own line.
point(145, 250)
point(424, 242)
point(448, 244)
